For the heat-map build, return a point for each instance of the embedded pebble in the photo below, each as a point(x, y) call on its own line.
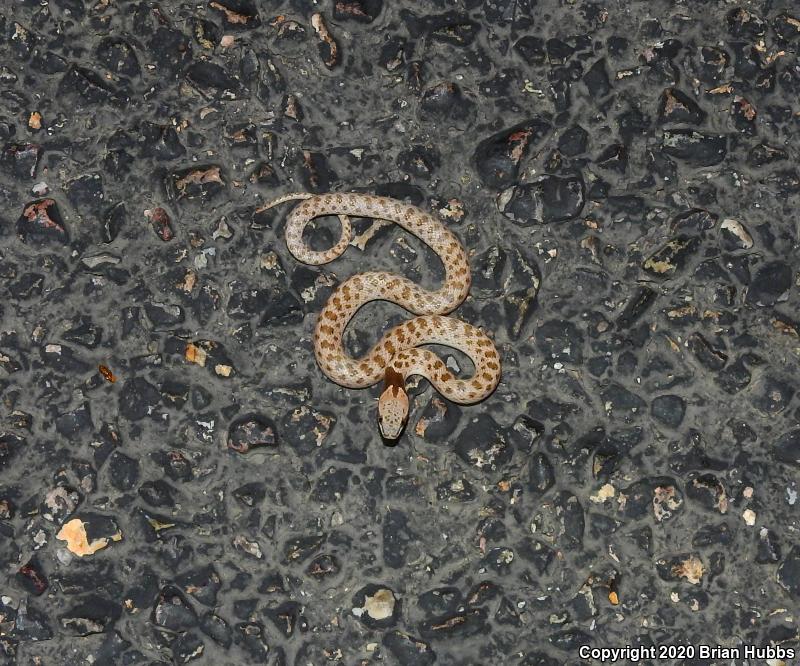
point(86, 537)
point(250, 432)
point(736, 235)
point(376, 606)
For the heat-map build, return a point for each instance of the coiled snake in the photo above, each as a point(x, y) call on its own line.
point(396, 357)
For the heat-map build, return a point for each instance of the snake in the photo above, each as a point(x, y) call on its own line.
point(397, 356)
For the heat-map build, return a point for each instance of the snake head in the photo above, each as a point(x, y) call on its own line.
point(393, 406)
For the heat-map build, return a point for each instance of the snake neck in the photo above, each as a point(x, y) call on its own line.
point(393, 379)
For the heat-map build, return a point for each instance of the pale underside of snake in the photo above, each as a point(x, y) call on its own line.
point(396, 356)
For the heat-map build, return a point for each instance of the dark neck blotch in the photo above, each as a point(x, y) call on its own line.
point(392, 378)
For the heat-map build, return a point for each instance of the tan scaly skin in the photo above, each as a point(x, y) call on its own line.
point(396, 357)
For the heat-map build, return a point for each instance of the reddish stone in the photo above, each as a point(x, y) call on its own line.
point(31, 577)
point(41, 221)
point(159, 218)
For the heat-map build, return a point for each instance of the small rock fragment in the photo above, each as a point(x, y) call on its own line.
point(363, 11)
point(198, 182)
point(329, 49)
point(672, 257)
point(237, 14)
point(735, 236)
point(376, 606)
point(81, 541)
point(686, 566)
point(252, 548)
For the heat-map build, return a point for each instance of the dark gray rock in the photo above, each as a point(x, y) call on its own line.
point(250, 432)
point(695, 148)
point(771, 395)
point(675, 106)
point(217, 629)
point(484, 444)
point(668, 410)
point(540, 473)
point(70, 424)
point(789, 573)
point(768, 547)
point(787, 447)
point(21, 159)
point(709, 491)
point(459, 625)
point(438, 420)
point(444, 101)
point(546, 200)
point(498, 158)
point(712, 535)
point(124, 471)
point(138, 398)
point(331, 485)
point(770, 284)
point(362, 11)
point(659, 496)
point(86, 193)
point(92, 615)
point(172, 611)
point(672, 257)
point(323, 566)
point(407, 650)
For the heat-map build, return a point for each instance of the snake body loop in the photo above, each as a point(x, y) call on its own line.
point(396, 356)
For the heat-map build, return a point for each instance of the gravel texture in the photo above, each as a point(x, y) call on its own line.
point(178, 481)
